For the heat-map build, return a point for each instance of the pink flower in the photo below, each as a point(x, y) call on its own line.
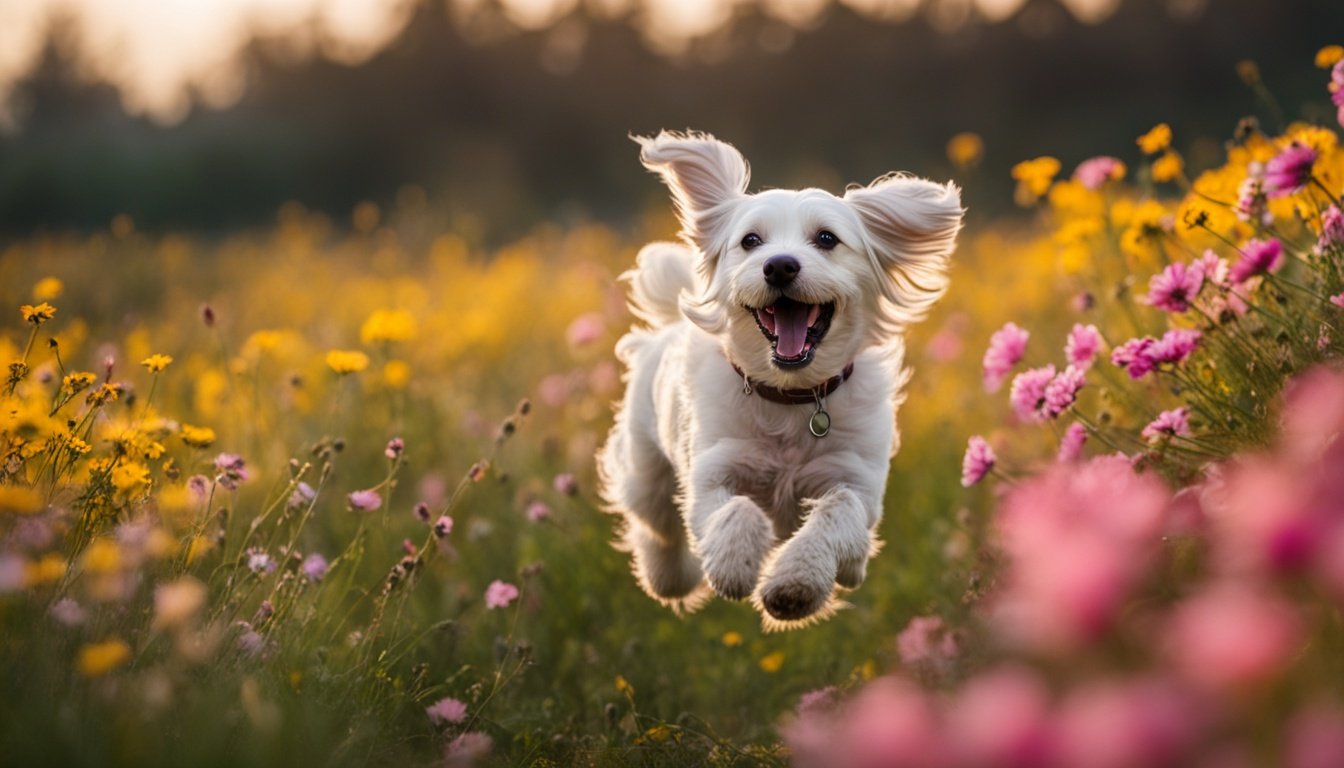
point(467, 749)
point(1230, 635)
point(67, 612)
point(1257, 257)
point(1290, 170)
point(1332, 229)
point(443, 526)
point(231, 469)
point(1174, 346)
point(1175, 287)
point(1251, 205)
point(314, 567)
point(977, 462)
point(1094, 172)
point(1071, 444)
point(566, 484)
point(1002, 718)
point(1005, 350)
point(302, 495)
point(1173, 423)
point(258, 561)
point(925, 640)
point(818, 700)
point(364, 501)
point(446, 710)
point(1082, 346)
point(199, 485)
point(1062, 391)
point(1114, 724)
point(891, 722)
point(1027, 394)
point(1213, 267)
point(1315, 738)
point(585, 329)
point(538, 511)
point(1133, 357)
point(394, 448)
point(1337, 86)
point(500, 594)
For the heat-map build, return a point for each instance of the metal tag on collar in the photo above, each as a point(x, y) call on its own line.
point(820, 423)
point(746, 385)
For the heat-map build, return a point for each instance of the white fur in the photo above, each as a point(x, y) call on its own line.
point(726, 491)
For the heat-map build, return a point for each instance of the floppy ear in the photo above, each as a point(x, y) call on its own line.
point(704, 174)
point(912, 227)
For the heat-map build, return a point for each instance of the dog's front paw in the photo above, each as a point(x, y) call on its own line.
point(794, 600)
point(799, 580)
point(736, 540)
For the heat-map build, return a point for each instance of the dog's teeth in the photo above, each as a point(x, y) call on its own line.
point(813, 314)
point(769, 310)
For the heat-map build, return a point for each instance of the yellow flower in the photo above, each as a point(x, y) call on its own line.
point(1034, 177)
point(965, 149)
point(156, 363)
point(48, 570)
point(104, 394)
point(37, 315)
point(1329, 56)
point(97, 659)
point(344, 361)
point(102, 556)
point(388, 325)
point(177, 602)
point(197, 437)
point(1156, 140)
point(396, 374)
point(16, 499)
point(77, 446)
point(77, 382)
point(48, 288)
point(130, 476)
point(1168, 167)
point(624, 686)
point(773, 662)
point(731, 639)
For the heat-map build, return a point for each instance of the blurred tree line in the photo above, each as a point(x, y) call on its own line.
point(505, 127)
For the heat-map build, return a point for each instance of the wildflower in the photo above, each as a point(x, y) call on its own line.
point(1027, 394)
point(1034, 178)
point(1133, 357)
point(1174, 346)
point(396, 374)
point(566, 484)
point(37, 315)
point(258, 561)
point(500, 594)
point(926, 640)
point(1338, 300)
point(1083, 343)
point(1168, 167)
point(48, 288)
point(732, 639)
point(1141, 721)
point(467, 749)
point(1332, 229)
point(231, 469)
point(176, 603)
point(421, 511)
point(1155, 140)
point(1096, 171)
point(1231, 635)
point(585, 329)
point(156, 363)
point(197, 437)
point(314, 567)
point(394, 448)
point(1290, 170)
point(199, 485)
point(1337, 90)
point(345, 361)
point(68, 612)
point(772, 662)
point(1329, 56)
point(1252, 203)
point(1062, 391)
point(1005, 350)
point(387, 325)
point(1172, 423)
point(1071, 444)
point(250, 641)
point(364, 501)
point(977, 462)
point(77, 382)
point(965, 149)
point(538, 511)
point(1257, 257)
point(443, 526)
point(477, 471)
point(446, 710)
point(97, 659)
point(1175, 287)
point(302, 496)
point(818, 700)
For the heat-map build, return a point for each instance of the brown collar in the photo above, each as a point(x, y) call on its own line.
point(794, 396)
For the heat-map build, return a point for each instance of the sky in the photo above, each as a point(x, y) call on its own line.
point(155, 51)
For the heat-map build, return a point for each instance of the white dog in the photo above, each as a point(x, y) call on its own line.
point(752, 447)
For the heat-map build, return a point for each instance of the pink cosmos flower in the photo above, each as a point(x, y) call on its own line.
point(1257, 257)
point(446, 710)
point(1172, 423)
point(1121, 724)
point(926, 641)
point(1082, 346)
point(1230, 635)
point(977, 462)
point(538, 511)
point(1005, 350)
point(1094, 172)
point(1332, 229)
point(1071, 444)
point(1337, 89)
point(1175, 287)
point(1315, 738)
point(1002, 718)
point(364, 501)
point(1213, 267)
point(231, 469)
point(1252, 205)
point(817, 700)
point(1062, 391)
point(1290, 170)
point(1174, 346)
point(1133, 357)
point(1027, 394)
point(585, 329)
point(500, 594)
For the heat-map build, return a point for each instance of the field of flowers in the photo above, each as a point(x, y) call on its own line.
point(324, 493)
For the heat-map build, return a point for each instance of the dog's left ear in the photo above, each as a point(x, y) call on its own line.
point(704, 175)
point(912, 227)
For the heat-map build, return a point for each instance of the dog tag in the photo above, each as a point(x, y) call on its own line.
point(820, 423)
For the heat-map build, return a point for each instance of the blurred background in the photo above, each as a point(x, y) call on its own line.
point(499, 114)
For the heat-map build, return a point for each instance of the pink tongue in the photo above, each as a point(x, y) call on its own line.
point(790, 328)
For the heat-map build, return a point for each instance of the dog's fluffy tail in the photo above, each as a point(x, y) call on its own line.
point(662, 272)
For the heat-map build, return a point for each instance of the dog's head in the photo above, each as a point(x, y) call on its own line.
point(798, 282)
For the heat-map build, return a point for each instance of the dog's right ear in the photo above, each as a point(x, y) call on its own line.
point(704, 175)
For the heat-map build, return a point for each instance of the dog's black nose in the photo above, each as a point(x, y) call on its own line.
point(781, 270)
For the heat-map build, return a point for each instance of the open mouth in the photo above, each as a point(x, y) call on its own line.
point(794, 329)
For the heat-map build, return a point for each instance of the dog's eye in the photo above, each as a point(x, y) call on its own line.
point(752, 240)
point(826, 240)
